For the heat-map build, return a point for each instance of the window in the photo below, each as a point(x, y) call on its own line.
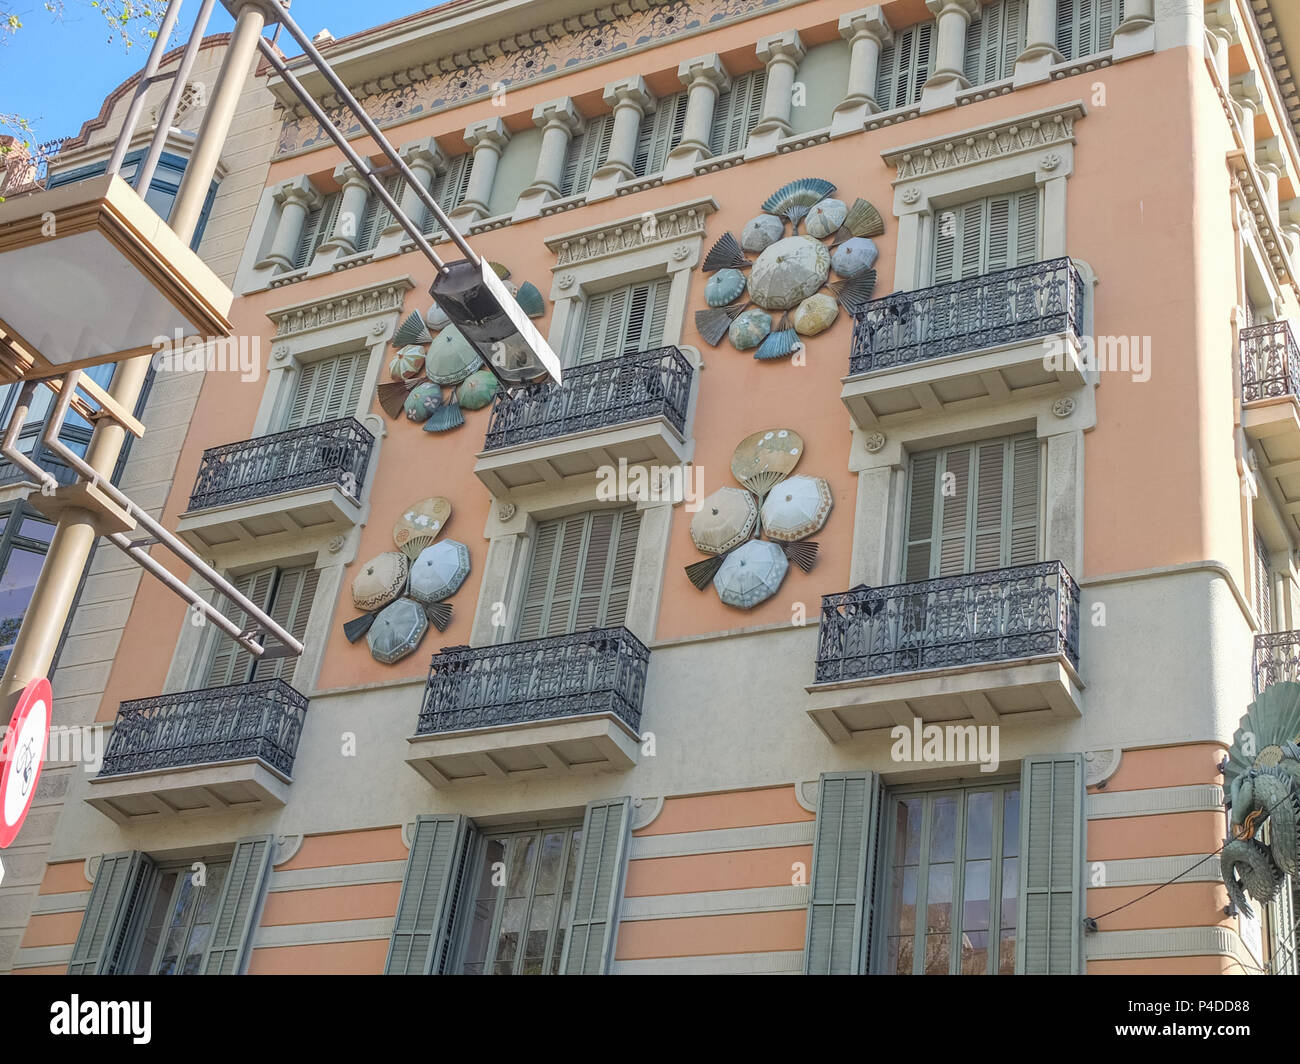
point(580, 574)
point(147, 917)
point(905, 66)
point(995, 37)
point(737, 113)
point(23, 543)
point(285, 594)
point(179, 925)
point(449, 188)
point(624, 319)
point(518, 928)
point(161, 194)
point(972, 507)
point(377, 217)
point(1263, 585)
point(585, 154)
point(986, 235)
point(661, 132)
point(327, 389)
point(1085, 27)
point(954, 856)
point(316, 229)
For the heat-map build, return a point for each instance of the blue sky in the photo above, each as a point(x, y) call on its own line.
point(56, 73)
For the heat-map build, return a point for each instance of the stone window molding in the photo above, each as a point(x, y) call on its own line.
point(664, 242)
point(880, 460)
point(195, 644)
point(1035, 149)
point(511, 532)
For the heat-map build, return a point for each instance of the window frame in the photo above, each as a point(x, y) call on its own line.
point(571, 852)
point(143, 908)
point(1002, 784)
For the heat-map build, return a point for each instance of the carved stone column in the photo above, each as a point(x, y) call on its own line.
point(295, 198)
point(487, 140)
point(1035, 63)
point(559, 120)
point(952, 19)
point(352, 207)
point(704, 77)
point(867, 32)
point(629, 99)
point(426, 161)
point(781, 53)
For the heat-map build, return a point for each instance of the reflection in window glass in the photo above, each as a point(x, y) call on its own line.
point(179, 926)
point(523, 891)
point(942, 854)
point(16, 585)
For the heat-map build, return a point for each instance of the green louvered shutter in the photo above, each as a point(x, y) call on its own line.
point(905, 66)
point(327, 389)
point(843, 871)
point(994, 39)
point(290, 609)
point(602, 860)
point(231, 663)
point(114, 899)
point(449, 188)
point(660, 133)
point(241, 900)
point(580, 574)
point(646, 318)
point(1085, 27)
point(737, 113)
point(316, 229)
point(426, 908)
point(377, 216)
point(1051, 849)
point(985, 235)
point(973, 507)
point(585, 154)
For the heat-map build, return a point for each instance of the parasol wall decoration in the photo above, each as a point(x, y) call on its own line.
point(436, 374)
point(744, 568)
point(401, 592)
point(771, 288)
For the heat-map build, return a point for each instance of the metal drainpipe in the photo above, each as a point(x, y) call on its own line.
point(75, 534)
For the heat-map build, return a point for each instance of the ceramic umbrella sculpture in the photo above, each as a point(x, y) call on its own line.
point(416, 579)
point(436, 374)
point(788, 295)
point(744, 568)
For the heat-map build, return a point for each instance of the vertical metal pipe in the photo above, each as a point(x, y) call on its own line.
point(147, 75)
point(145, 174)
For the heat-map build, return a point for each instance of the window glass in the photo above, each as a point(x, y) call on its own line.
point(179, 926)
point(16, 585)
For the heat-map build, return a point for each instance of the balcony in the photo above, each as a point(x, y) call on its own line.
point(994, 647)
point(219, 749)
point(288, 484)
point(1277, 658)
point(632, 407)
point(560, 706)
point(1270, 410)
point(967, 344)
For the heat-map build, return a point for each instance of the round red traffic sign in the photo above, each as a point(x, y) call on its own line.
point(23, 754)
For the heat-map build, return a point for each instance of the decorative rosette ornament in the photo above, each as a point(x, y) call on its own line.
point(436, 373)
point(783, 299)
point(744, 568)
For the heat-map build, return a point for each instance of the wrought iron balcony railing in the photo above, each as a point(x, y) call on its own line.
point(1270, 362)
point(1277, 658)
point(1021, 303)
point(598, 671)
point(998, 615)
point(335, 452)
point(598, 395)
point(262, 719)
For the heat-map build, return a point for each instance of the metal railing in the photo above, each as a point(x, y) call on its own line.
point(613, 391)
point(262, 719)
point(335, 452)
point(1276, 658)
point(998, 615)
point(1270, 361)
point(1021, 303)
point(598, 671)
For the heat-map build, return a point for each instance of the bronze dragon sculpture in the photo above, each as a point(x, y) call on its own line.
point(1262, 779)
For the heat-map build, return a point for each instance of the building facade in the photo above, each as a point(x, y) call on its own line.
point(1041, 391)
point(148, 465)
